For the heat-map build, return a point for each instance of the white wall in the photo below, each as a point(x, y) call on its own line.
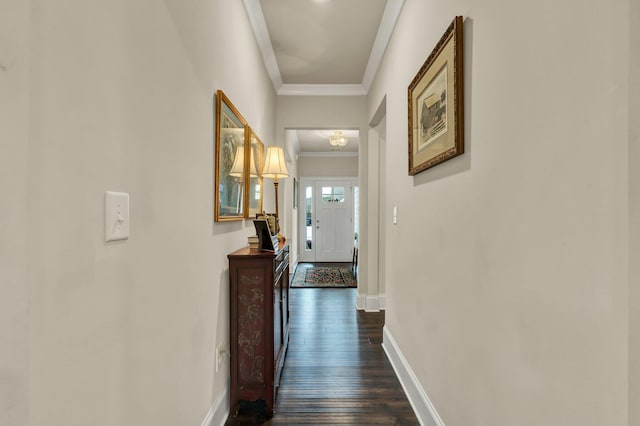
point(511, 262)
point(321, 112)
point(120, 97)
point(14, 135)
point(328, 166)
point(634, 214)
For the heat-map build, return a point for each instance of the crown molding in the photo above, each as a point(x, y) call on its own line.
point(256, 18)
point(385, 30)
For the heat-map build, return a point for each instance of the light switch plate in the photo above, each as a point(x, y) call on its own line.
point(116, 215)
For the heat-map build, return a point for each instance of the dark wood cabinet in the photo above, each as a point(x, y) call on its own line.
point(259, 318)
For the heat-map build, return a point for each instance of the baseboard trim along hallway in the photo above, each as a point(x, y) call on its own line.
point(219, 410)
point(370, 303)
point(420, 402)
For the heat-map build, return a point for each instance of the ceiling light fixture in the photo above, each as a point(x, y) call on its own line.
point(337, 139)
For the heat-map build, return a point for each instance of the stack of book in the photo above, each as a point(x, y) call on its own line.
point(254, 242)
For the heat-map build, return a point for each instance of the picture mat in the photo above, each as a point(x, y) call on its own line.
point(430, 129)
point(445, 141)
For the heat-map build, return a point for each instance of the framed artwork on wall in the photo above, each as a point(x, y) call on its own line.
point(230, 170)
point(436, 104)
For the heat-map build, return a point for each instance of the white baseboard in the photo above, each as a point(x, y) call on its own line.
point(370, 303)
point(422, 406)
point(219, 412)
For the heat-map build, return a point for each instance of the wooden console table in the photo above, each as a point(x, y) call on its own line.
point(259, 318)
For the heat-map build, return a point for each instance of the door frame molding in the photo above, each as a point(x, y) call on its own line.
point(371, 297)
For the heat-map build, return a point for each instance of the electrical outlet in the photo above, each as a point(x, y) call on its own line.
point(220, 352)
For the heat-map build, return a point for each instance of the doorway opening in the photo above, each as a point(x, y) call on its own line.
point(329, 221)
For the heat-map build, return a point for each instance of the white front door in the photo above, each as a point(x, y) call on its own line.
point(333, 222)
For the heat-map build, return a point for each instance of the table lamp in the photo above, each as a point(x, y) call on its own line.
point(275, 167)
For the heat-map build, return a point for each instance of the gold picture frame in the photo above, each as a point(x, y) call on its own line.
point(255, 184)
point(436, 104)
point(230, 169)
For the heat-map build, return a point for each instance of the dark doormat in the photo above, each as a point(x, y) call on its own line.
point(330, 275)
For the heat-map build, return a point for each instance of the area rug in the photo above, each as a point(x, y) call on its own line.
point(313, 276)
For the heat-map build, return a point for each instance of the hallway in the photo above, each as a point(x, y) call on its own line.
point(508, 274)
point(336, 371)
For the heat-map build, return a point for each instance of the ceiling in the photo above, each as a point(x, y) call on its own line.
point(322, 47)
point(312, 142)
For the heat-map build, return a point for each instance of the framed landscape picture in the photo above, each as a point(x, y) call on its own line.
point(436, 104)
point(230, 173)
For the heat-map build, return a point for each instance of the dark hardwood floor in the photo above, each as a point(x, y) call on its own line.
point(335, 371)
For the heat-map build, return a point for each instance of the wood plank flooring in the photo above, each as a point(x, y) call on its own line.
point(335, 371)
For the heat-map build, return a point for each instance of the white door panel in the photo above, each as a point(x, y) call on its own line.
point(333, 221)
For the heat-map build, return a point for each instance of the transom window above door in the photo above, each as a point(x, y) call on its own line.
point(333, 194)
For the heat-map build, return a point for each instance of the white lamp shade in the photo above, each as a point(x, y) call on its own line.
point(274, 164)
point(253, 171)
point(237, 169)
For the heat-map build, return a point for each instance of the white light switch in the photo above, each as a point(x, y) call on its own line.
point(395, 215)
point(116, 215)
